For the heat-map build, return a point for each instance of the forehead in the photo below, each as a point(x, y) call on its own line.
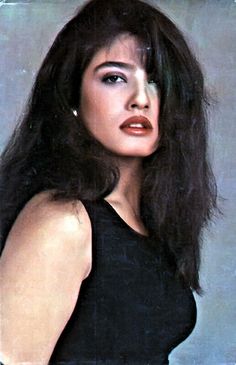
point(124, 48)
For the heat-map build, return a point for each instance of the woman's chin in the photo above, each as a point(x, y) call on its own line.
point(135, 153)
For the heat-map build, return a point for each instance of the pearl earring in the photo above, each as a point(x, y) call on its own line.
point(75, 112)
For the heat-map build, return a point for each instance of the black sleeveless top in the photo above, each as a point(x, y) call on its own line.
point(131, 309)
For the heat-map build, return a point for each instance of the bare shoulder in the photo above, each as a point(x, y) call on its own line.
point(52, 229)
point(46, 257)
point(41, 210)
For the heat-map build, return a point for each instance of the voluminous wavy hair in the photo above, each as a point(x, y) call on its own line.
point(52, 150)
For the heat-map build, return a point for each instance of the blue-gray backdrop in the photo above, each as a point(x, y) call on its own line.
point(28, 27)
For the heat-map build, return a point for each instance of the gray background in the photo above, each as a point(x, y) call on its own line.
point(27, 28)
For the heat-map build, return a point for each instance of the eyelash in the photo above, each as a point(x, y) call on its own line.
point(152, 81)
point(108, 79)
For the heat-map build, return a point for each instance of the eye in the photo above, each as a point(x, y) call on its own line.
point(152, 81)
point(113, 79)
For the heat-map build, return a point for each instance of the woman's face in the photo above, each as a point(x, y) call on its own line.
point(119, 103)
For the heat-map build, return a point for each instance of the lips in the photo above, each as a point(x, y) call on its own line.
point(137, 125)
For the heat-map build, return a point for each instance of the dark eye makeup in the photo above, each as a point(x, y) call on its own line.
point(116, 79)
point(113, 79)
point(152, 79)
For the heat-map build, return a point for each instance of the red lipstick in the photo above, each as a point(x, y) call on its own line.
point(136, 126)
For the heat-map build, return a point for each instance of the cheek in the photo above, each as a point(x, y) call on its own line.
point(87, 99)
point(94, 113)
point(88, 104)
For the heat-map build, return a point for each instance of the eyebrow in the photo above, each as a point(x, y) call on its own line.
point(123, 65)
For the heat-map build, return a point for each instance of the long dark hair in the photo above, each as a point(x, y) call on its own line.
point(51, 149)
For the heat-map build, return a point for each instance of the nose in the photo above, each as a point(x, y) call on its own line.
point(139, 98)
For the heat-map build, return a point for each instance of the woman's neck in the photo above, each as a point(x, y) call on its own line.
point(127, 191)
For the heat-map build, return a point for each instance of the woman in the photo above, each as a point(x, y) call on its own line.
point(106, 188)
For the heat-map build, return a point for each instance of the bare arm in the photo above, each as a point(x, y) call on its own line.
point(46, 257)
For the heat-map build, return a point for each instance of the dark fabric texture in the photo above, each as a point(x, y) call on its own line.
point(131, 308)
